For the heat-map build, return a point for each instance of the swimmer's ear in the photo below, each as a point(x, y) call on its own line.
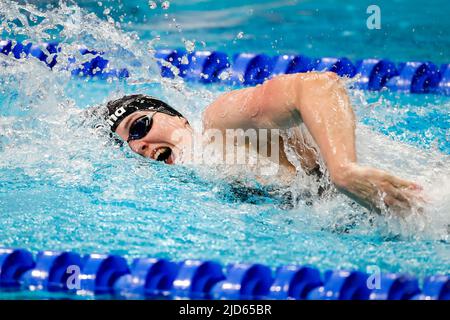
point(103, 130)
point(94, 117)
point(115, 139)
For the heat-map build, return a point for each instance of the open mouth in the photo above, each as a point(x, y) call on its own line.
point(164, 154)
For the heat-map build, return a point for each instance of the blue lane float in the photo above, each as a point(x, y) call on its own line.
point(374, 73)
point(244, 281)
point(172, 59)
point(46, 53)
point(13, 264)
point(51, 271)
point(5, 46)
point(196, 279)
point(149, 277)
point(444, 83)
point(288, 64)
point(251, 69)
point(206, 66)
point(415, 77)
point(293, 282)
point(99, 274)
point(97, 66)
point(395, 287)
point(342, 285)
point(435, 288)
point(341, 66)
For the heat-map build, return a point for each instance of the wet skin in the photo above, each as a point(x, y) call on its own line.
point(318, 100)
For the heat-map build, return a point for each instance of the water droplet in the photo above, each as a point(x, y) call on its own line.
point(184, 60)
point(152, 5)
point(224, 75)
point(240, 35)
point(189, 45)
point(165, 5)
point(175, 70)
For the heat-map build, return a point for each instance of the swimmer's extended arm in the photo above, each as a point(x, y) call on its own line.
point(320, 101)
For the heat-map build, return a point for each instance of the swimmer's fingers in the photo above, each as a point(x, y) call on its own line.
point(401, 183)
point(418, 197)
point(408, 190)
point(400, 207)
point(414, 196)
point(403, 199)
point(397, 194)
point(395, 204)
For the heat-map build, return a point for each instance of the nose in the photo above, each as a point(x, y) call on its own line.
point(140, 146)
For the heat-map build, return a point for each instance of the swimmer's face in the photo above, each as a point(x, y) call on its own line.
point(166, 140)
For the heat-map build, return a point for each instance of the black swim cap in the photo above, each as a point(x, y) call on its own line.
point(119, 109)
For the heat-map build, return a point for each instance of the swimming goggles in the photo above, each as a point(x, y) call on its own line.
point(140, 127)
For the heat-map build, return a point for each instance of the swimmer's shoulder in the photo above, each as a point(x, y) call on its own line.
point(230, 110)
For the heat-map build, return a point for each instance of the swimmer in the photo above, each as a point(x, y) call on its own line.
point(316, 100)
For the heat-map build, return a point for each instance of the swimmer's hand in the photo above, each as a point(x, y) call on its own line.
point(376, 189)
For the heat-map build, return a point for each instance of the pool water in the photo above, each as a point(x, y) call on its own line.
point(411, 30)
point(64, 188)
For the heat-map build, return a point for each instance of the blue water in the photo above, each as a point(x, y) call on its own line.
point(410, 29)
point(63, 188)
